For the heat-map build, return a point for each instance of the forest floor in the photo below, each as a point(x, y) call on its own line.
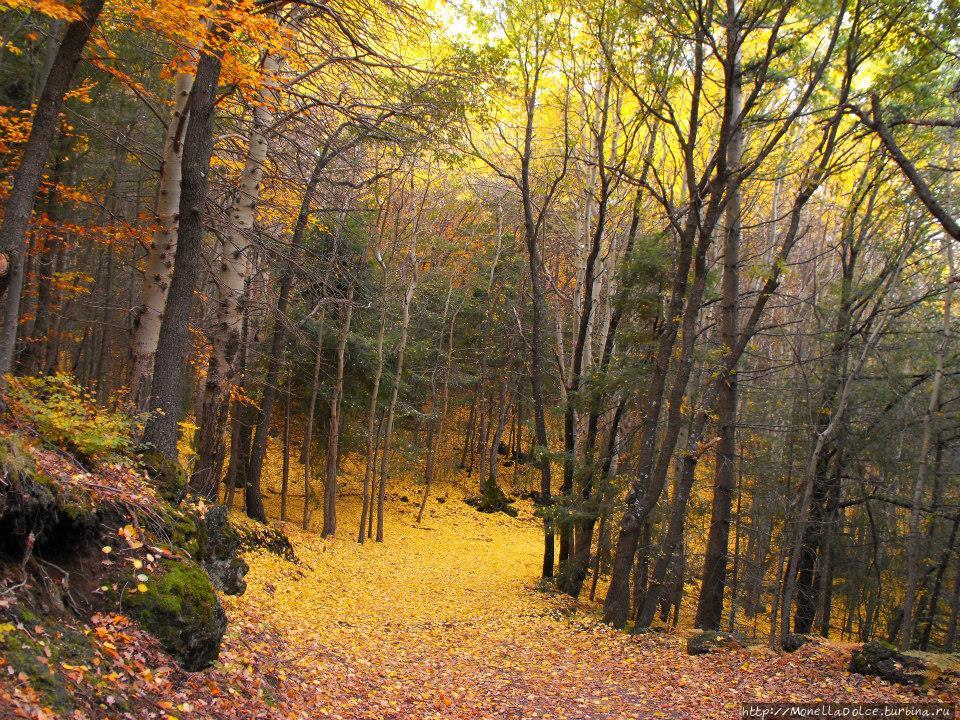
point(445, 621)
point(442, 621)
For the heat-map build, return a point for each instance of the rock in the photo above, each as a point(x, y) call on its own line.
point(267, 538)
point(794, 641)
point(165, 475)
point(709, 640)
point(181, 609)
point(885, 661)
point(492, 499)
point(220, 552)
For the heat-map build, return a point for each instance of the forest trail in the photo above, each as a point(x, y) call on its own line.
point(444, 621)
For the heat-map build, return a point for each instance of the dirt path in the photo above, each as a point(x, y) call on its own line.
point(443, 621)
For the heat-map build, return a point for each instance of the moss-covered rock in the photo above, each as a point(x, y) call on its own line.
point(792, 642)
point(710, 640)
point(183, 530)
point(269, 538)
point(492, 499)
point(181, 609)
point(884, 660)
point(166, 475)
point(220, 552)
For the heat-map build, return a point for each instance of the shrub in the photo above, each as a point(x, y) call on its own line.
point(67, 415)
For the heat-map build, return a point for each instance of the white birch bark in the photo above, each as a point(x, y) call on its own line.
point(231, 274)
point(158, 265)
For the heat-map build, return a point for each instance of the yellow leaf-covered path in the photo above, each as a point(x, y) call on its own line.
point(445, 621)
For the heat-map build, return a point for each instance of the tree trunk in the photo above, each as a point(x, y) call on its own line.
point(492, 496)
point(938, 585)
point(572, 577)
point(370, 470)
point(285, 481)
point(158, 264)
point(951, 635)
point(391, 408)
point(311, 412)
point(240, 414)
point(279, 339)
point(333, 430)
point(437, 430)
point(165, 396)
point(374, 491)
point(915, 537)
point(653, 466)
point(235, 264)
point(468, 434)
point(710, 606)
point(734, 581)
point(33, 359)
point(836, 418)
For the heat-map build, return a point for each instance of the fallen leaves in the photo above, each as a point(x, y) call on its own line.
point(440, 622)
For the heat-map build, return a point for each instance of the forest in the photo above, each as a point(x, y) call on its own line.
point(477, 358)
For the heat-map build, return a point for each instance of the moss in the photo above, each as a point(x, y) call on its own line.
point(27, 655)
point(184, 530)
point(26, 616)
point(23, 654)
point(166, 475)
point(27, 500)
point(181, 609)
point(492, 499)
point(220, 552)
point(60, 516)
point(792, 642)
point(266, 538)
point(74, 646)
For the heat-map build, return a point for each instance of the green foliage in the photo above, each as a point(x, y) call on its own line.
point(67, 416)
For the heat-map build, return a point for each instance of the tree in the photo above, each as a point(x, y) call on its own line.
point(18, 208)
point(162, 428)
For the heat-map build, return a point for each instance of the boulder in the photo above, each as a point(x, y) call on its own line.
point(269, 538)
point(885, 661)
point(220, 552)
point(709, 640)
point(794, 641)
point(492, 499)
point(181, 609)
